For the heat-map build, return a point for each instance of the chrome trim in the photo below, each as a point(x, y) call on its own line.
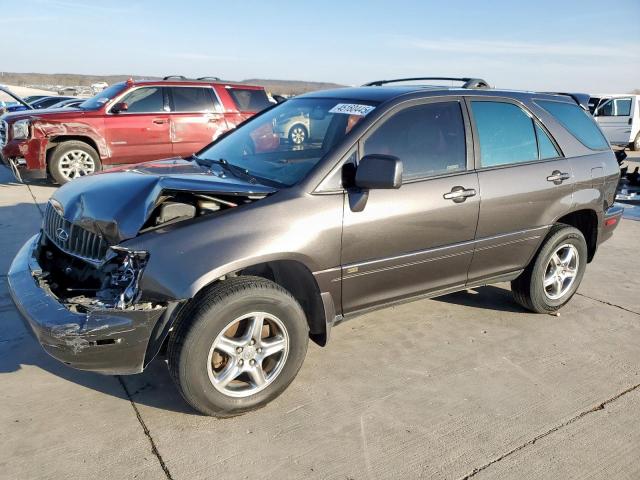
point(73, 239)
point(219, 107)
point(469, 246)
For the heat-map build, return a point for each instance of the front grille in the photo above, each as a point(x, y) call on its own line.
point(73, 239)
point(4, 133)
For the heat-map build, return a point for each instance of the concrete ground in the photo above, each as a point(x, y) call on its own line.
point(464, 386)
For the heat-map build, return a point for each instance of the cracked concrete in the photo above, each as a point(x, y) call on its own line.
point(466, 386)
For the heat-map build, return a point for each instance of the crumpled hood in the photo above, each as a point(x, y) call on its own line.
point(116, 204)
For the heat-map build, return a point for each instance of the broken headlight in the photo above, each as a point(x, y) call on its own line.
point(125, 277)
point(20, 130)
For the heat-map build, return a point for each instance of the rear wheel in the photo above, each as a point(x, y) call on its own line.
point(635, 146)
point(73, 159)
point(554, 275)
point(238, 346)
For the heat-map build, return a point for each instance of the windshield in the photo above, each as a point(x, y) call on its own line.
point(103, 97)
point(284, 143)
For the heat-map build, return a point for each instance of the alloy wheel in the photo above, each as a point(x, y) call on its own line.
point(298, 135)
point(76, 163)
point(561, 271)
point(248, 354)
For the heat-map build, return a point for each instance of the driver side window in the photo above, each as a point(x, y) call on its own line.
point(429, 139)
point(145, 100)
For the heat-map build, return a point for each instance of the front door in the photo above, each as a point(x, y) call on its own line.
point(525, 182)
point(418, 238)
point(614, 117)
point(140, 133)
point(196, 118)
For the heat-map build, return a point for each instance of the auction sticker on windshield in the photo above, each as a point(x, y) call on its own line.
point(352, 109)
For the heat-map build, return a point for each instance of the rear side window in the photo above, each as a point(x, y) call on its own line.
point(193, 99)
point(429, 139)
point(578, 122)
point(145, 100)
point(506, 134)
point(249, 100)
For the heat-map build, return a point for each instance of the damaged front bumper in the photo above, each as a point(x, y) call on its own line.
point(105, 340)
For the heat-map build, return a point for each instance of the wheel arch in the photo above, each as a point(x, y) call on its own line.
point(585, 220)
point(292, 275)
point(54, 141)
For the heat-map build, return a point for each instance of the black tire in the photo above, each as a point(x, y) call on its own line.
point(59, 153)
point(528, 289)
point(207, 317)
point(298, 134)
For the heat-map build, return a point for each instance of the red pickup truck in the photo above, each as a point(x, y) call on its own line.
point(129, 122)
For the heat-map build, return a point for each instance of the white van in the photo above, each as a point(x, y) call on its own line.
point(619, 117)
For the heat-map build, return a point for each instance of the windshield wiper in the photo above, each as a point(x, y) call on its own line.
point(235, 170)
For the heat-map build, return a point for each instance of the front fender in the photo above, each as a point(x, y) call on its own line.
point(185, 257)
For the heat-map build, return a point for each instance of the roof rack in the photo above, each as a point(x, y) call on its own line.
point(182, 77)
point(467, 82)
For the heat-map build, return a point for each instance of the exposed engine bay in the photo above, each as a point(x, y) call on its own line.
point(84, 284)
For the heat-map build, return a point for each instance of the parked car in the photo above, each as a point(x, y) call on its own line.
point(234, 257)
point(619, 119)
point(68, 103)
point(296, 129)
point(129, 122)
point(10, 102)
point(99, 86)
point(72, 91)
point(33, 98)
point(48, 102)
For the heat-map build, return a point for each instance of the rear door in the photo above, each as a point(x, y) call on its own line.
point(615, 118)
point(140, 133)
point(196, 118)
point(526, 184)
point(418, 238)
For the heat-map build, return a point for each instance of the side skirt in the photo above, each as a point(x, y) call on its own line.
point(505, 277)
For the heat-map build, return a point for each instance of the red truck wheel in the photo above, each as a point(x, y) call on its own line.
point(73, 159)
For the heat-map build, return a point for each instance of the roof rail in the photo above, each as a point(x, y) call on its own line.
point(179, 77)
point(215, 79)
point(582, 99)
point(467, 82)
point(199, 79)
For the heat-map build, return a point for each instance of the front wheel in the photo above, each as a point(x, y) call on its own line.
point(238, 346)
point(298, 134)
point(555, 273)
point(635, 146)
point(73, 159)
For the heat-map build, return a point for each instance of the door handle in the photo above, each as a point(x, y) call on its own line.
point(558, 177)
point(159, 121)
point(459, 194)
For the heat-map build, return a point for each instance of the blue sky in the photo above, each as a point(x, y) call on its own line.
point(591, 46)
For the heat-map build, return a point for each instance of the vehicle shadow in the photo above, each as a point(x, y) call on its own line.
point(489, 297)
point(18, 349)
point(154, 387)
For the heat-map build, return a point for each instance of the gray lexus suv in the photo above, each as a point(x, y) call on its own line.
point(230, 260)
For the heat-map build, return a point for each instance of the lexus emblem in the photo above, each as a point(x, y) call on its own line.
point(62, 234)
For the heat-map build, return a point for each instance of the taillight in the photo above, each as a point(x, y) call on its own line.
point(609, 222)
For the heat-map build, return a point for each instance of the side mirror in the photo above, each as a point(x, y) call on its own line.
point(379, 171)
point(120, 107)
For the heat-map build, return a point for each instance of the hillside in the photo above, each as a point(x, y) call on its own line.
point(281, 87)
